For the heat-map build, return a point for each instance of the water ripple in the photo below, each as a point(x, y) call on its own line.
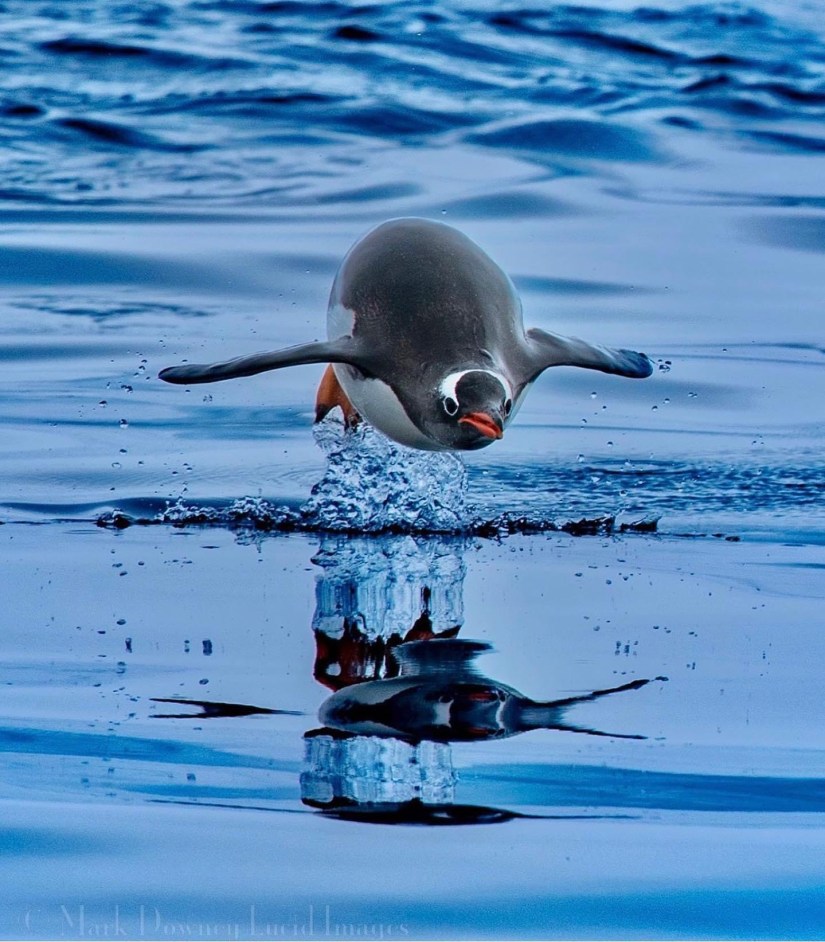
point(114, 78)
point(370, 485)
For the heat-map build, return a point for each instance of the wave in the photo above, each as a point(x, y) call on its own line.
point(158, 57)
point(329, 72)
point(616, 43)
point(600, 140)
point(110, 133)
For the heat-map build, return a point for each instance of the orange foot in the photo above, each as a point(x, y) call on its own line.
point(329, 395)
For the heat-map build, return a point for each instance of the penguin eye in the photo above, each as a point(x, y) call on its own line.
point(508, 405)
point(450, 405)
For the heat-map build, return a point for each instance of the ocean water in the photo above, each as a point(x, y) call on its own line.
point(268, 681)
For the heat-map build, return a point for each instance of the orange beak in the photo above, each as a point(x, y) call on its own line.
point(482, 423)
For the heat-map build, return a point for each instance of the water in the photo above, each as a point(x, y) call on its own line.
point(216, 725)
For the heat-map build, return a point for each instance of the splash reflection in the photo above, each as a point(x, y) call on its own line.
point(375, 594)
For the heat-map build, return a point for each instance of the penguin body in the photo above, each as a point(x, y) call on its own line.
point(426, 340)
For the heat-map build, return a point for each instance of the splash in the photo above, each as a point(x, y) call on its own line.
point(372, 485)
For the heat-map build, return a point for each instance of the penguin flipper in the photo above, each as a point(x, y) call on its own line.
point(548, 350)
point(342, 350)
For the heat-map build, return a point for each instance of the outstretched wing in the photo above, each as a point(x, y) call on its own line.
point(342, 350)
point(548, 350)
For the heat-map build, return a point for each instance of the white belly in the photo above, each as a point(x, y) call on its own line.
point(379, 405)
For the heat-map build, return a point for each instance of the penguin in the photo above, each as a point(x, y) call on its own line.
point(426, 342)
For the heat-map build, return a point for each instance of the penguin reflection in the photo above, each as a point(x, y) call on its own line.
point(384, 754)
point(405, 688)
point(386, 616)
point(441, 696)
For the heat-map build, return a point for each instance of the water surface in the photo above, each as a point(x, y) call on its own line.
point(213, 727)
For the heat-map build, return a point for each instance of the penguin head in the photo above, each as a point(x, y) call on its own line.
point(470, 410)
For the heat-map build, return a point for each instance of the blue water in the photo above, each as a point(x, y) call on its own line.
point(258, 104)
point(265, 681)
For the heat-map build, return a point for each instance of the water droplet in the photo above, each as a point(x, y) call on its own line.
point(116, 464)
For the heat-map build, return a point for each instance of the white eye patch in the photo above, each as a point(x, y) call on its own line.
point(449, 383)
